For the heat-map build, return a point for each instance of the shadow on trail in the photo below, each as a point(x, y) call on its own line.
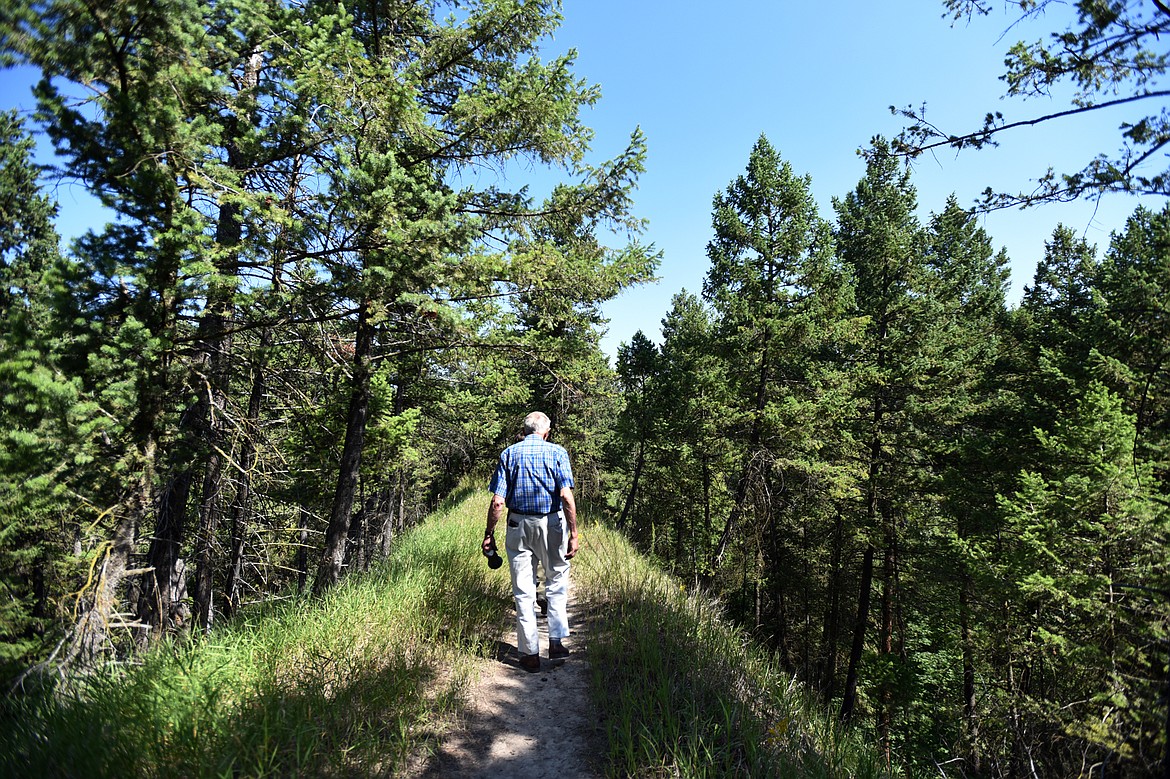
point(524, 725)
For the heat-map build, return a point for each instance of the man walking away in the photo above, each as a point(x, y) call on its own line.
point(533, 485)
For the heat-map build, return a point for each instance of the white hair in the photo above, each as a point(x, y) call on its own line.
point(536, 422)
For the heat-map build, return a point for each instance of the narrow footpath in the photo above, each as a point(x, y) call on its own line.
point(522, 724)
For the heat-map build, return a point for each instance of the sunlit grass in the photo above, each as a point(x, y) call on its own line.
point(356, 682)
point(682, 693)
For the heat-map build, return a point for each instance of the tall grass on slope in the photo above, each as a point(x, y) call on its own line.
point(684, 694)
point(348, 684)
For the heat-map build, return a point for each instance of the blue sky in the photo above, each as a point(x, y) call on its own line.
point(704, 80)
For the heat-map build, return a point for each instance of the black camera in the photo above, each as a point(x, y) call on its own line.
point(493, 556)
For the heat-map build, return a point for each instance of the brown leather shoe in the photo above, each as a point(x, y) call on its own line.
point(557, 650)
point(530, 663)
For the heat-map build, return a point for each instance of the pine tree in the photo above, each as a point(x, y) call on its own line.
point(960, 418)
point(638, 370)
point(1080, 534)
point(1133, 282)
point(41, 417)
point(693, 435)
point(781, 303)
point(880, 240)
point(297, 260)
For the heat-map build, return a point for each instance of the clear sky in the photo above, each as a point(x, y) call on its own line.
point(705, 80)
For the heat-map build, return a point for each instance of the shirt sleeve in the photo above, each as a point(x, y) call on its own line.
point(564, 470)
point(499, 482)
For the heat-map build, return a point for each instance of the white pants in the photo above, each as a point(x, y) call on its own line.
point(542, 538)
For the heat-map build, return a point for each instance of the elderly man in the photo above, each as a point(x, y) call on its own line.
point(533, 484)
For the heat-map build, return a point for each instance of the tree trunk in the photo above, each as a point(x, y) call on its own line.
point(832, 614)
point(160, 605)
point(753, 442)
point(401, 500)
point(236, 568)
point(886, 637)
point(163, 582)
point(849, 699)
point(336, 534)
point(358, 528)
point(872, 512)
point(303, 552)
point(242, 501)
point(385, 501)
point(91, 633)
point(216, 345)
point(706, 518)
point(1166, 732)
point(638, 463)
point(970, 712)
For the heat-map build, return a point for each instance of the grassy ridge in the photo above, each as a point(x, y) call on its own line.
point(355, 682)
point(684, 694)
point(350, 682)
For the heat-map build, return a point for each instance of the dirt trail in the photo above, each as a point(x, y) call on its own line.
point(521, 724)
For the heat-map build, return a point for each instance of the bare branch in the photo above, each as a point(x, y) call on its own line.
point(980, 137)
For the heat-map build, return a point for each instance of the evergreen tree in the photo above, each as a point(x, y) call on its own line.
point(1075, 554)
point(963, 400)
point(297, 260)
point(41, 415)
point(693, 436)
point(1134, 343)
point(781, 302)
point(561, 273)
point(1110, 55)
point(638, 370)
point(1055, 328)
point(880, 240)
point(137, 148)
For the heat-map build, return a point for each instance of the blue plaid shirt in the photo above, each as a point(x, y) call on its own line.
point(531, 474)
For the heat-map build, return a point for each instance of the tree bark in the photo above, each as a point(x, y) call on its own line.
point(745, 476)
point(849, 699)
point(337, 533)
point(242, 501)
point(706, 517)
point(886, 636)
point(832, 615)
point(1166, 732)
point(217, 346)
point(630, 497)
point(91, 634)
point(757, 431)
point(303, 552)
point(160, 605)
point(970, 712)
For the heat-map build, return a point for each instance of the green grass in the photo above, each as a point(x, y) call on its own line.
point(682, 693)
point(357, 681)
point(349, 683)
